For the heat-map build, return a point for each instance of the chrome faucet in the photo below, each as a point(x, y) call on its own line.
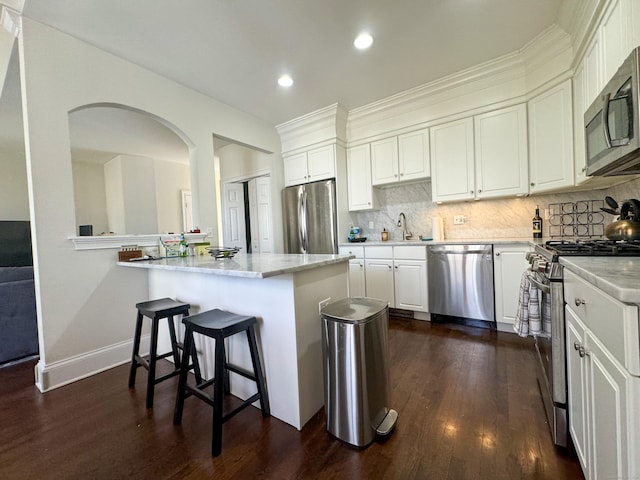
point(402, 222)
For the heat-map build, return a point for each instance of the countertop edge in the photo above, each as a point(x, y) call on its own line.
point(624, 288)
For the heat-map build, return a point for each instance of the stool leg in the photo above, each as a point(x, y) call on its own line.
point(174, 343)
point(153, 353)
point(136, 350)
point(187, 350)
point(257, 369)
point(218, 393)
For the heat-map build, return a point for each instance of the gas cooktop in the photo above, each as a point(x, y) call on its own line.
point(601, 248)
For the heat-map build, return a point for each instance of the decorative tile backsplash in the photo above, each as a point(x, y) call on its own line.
point(502, 218)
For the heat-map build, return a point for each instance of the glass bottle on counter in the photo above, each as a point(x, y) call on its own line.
point(537, 224)
point(184, 246)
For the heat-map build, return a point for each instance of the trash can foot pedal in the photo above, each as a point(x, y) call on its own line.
point(387, 423)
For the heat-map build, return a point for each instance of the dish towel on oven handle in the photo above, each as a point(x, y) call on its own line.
point(528, 315)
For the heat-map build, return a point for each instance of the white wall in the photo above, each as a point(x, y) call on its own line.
point(114, 196)
point(14, 200)
point(170, 179)
point(90, 197)
point(139, 193)
point(86, 304)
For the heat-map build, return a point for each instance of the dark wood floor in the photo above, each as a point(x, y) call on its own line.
point(467, 400)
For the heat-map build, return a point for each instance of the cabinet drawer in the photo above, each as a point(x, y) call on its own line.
point(614, 323)
point(410, 252)
point(379, 252)
point(358, 251)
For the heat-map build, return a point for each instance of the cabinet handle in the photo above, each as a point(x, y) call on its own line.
point(396, 267)
point(576, 346)
point(479, 190)
point(389, 267)
point(368, 203)
point(395, 174)
point(579, 302)
point(582, 352)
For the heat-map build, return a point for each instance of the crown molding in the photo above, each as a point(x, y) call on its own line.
point(326, 124)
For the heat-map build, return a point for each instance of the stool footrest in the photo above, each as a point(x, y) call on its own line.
point(240, 371)
point(142, 362)
point(241, 407)
point(167, 376)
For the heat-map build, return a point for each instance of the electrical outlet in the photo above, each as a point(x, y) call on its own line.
point(370, 224)
point(459, 219)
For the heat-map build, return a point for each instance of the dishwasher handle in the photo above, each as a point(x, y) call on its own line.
point(459, 252)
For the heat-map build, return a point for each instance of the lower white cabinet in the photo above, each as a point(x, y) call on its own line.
point(397, 275)
point(603, 382)
point(509, 263)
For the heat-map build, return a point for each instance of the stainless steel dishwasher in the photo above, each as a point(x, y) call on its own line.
point(461, 284)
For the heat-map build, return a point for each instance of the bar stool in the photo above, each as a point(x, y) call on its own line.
point(157, 310)
point(218, 324)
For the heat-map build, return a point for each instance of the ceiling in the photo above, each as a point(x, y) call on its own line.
point(234, 51)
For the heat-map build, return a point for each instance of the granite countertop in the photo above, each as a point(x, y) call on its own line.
point(242, 265)
point(617, 276)
point(457, 241)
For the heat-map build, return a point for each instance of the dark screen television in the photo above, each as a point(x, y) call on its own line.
point(15, 244)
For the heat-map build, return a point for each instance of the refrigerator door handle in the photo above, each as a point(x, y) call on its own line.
point(302, 225)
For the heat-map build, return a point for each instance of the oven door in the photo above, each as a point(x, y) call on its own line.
point(551, 356)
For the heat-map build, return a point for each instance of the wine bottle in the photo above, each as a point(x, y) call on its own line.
point(537, 224)
point(184, 246)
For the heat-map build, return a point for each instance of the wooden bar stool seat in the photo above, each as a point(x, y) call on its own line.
point(157, 310)
point(218, 324)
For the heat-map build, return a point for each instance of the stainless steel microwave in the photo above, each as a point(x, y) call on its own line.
point(612, 124)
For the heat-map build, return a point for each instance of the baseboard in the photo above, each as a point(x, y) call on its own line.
point(58, 374)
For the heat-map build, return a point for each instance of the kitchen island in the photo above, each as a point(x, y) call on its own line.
point(283, 292)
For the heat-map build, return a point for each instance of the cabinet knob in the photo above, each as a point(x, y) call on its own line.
point(368, 203)
point(395, 174)
point(584, 169)
point(576, 346)
point(582, 352)
point(402, 174)
point(497, 254)
point(480, 191)
point(470, 191)
point(579, 302)
point(396, 267)
point(389, 267)
point(533, 184)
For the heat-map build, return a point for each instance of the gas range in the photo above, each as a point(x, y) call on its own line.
point(545, 257)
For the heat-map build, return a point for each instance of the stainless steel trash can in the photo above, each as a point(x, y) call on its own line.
point(356, 370)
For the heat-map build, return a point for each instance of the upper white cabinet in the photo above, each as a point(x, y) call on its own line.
point(551, 139)
point(480, 157)
point(310, 166)
point(501, 152)
point(614, 37)
point(399, 159)
point(452, 161)
point(361, 194)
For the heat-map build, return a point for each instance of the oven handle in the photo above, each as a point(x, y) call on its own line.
point(540, 286)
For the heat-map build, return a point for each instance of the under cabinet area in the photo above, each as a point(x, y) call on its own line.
point(603, 376)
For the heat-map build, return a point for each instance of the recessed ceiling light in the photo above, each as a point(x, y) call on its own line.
point(285, 81)
point(363, 41)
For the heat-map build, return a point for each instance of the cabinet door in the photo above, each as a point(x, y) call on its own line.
point(579, 107)
point(509, 264)
point(593, 71)
point(410, 281)
point(501, 152)
point(413, 155)
point(295, 169)
point(321, 163)
point(551, 139)
point(379, 280)
point(608, 418)
point(614, 37)
point(384, 161)
point(452, 162)
point(356, 278)
point(577, 389)
point(359, 178)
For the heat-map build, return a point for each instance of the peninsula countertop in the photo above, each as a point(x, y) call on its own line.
point(259, 265)
point(617, 276)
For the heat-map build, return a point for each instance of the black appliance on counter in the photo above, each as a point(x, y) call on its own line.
point(551, 352)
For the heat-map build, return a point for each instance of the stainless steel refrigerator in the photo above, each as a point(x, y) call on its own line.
point(309, 215)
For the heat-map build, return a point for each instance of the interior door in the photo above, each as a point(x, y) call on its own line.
point(263, 204)
point(233, 227)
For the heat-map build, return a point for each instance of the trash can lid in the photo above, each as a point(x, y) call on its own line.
point(353, 309)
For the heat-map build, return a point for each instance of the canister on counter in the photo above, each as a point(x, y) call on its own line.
point(384, 235)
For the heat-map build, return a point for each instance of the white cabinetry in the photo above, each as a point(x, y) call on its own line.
point(361, 194)
point(452, 161)
point(493, 163)
point(356, 270)
point(509, 263)
point(310, 166)
point(603, 356)
point(399, 159)
point(410, 278)
point(551, 139)
point(501, 152)
point(614, 37)
point(379, 273)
